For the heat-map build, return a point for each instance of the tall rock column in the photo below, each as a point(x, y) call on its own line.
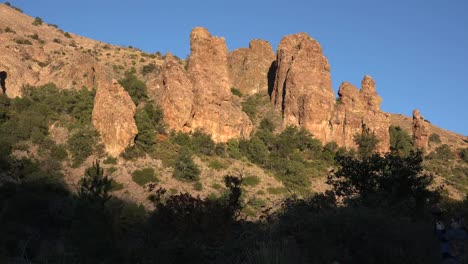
point(176, 95)
point(420, 131)
point(214, 110)
point(113, 117)
point(249, 67)
point(302, 89)
point(356, 108)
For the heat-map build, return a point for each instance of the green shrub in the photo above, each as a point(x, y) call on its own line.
point(434, 138)
point(463, 153)
point(198, 186)
point(9, 30)
point(277, 190)
point(184, 168)
point(23, 41)
point(66, 34)
point(116, 186)
point(400, 140)
point(144, 176)
point(135, 87)
point(250, 181)
point(81, 144)
point(37, 21)
point(218, 164)
point(58, 152)
point(110, 160)
point(202, 143)
point(236, 91)
point(367, 142)
point(149, 68)
point(442, 152)
point(216, 186)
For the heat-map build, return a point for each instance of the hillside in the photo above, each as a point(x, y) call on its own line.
point(226, 102)
point(112, 155)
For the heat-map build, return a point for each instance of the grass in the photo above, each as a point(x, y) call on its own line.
point(277, 190)
point(218, 165)
point(250, 181)
point(144, 176)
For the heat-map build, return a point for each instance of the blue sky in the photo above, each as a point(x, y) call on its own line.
point(416, 50)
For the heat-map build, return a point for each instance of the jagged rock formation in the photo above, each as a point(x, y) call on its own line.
point(176, 95)
point(420, 131)
point(113, 117)
point(355, 108)
point(201, 98)
point(249, 67)
point(302, 89)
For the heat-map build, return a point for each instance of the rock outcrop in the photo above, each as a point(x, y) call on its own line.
point(176, 95)
point(355, 108)
point(302, 91)
point(214, 110)
point(249, 67)
point(113, 117)
point(420, 131)
point(200, 97)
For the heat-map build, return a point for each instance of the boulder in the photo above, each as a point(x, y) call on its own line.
point(113, 117)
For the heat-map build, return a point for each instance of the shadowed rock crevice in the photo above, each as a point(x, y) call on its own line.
point(3, 76)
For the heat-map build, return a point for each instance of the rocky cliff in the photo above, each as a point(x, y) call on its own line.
point(201, 98)
point(355, 108)
point(249, 67)
point(302, 90)
point(420, 131)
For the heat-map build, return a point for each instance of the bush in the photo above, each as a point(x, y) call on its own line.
point(202, 143)
point(434, 138)
point(116, 186)
point(135, 87)
point(67, 35)
point(149, 68)
point(110, 160)
point(23, 41)
point(37, 21)
point(144, 176)
point(464, 154)
point(236, 91)
point(81, 144)
point(184, 168)
point(198, 186)
point(442, 152)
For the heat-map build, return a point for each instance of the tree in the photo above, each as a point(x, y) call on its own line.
point(95, 185)
point(367, 142)
point(135, 87)
point(184, 168)
point(383, 180)
point(400, 140)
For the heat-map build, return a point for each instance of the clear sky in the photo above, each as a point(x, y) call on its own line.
point(416, 50)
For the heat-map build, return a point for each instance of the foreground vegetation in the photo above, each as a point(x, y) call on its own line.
point(385, 199)
point(377, 211)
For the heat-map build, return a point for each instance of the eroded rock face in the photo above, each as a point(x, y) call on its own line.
point(249, 67)
point(113, 117)
point(302, 89)
point(176, 95)
point(356, 108)
point(214, 110)
point(421, 131)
